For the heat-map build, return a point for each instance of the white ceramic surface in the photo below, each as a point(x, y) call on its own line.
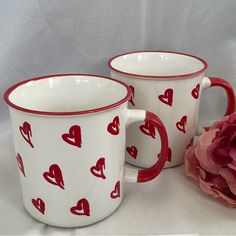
point(69, 135)
point(168, 84)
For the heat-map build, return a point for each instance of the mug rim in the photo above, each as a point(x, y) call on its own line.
point(69, 113)
point(181, 76)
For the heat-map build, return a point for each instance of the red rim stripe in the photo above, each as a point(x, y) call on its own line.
point(46, 113)
point(183, 76)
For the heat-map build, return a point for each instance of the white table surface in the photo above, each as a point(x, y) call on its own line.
point(170, 204)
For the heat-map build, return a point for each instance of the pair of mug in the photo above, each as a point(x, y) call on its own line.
point(70, 131)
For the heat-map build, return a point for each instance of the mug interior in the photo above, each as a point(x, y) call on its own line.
point(157, 64)
point(67, 94)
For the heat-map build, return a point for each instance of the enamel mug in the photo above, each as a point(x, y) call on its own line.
point(170, 85)
point(69, 135)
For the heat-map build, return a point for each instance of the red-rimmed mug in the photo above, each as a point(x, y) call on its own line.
point(170, 85)
point(69, 134)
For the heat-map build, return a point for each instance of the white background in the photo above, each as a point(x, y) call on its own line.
point(40, 37)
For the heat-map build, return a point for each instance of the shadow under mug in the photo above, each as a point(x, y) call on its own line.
point(168, 84)
point(69, 136)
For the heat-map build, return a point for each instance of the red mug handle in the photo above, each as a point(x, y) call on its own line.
point(208, 82)
point(132, 174)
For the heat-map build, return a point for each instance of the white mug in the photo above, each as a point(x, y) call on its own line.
point(168, 84)
point(69, 135)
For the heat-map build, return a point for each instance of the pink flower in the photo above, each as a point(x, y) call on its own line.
point(212, 162)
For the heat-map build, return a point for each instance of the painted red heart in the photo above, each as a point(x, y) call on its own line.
point(98, 169)
point(113, 127)
point(190, 143)
point(195, 91)
point(74, 136)
point(54, 176)
point(148, 129)
point(116, 192)
point(169, 157)
point(26, 133)
point(181, 124)
point(131, 100)
point(133, 151)
point(39, 204)
point(81, 208)
point(167, 97)
point(20, 163)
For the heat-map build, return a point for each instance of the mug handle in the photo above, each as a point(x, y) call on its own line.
point(132, 174)
point(208, 82)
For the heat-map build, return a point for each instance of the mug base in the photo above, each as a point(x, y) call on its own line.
point(167, 164)
point(72, 225)
point(172, 165)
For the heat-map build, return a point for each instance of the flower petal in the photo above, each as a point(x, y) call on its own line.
point(208, 189)
point(228, 201)
point(232, 118)
point(218, 124)
point(232, 188)
point(227, 174)
point(191, 163)
point(218, 151)
point(201, 152)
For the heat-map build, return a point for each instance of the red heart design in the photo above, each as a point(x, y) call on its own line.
point(116, 192)
point(195, 91)
point(131, 100)
point(54, 176)
point(39, 204)
point(133, 151)
point(169, 157)
point(113, 127)
point(74, 136)
point(97, 170)
point(81, 208)
point(148, 129)
point(190, 143)
point(26, 133)
point(167, 97)
point(20, 163)
point(181, 124)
